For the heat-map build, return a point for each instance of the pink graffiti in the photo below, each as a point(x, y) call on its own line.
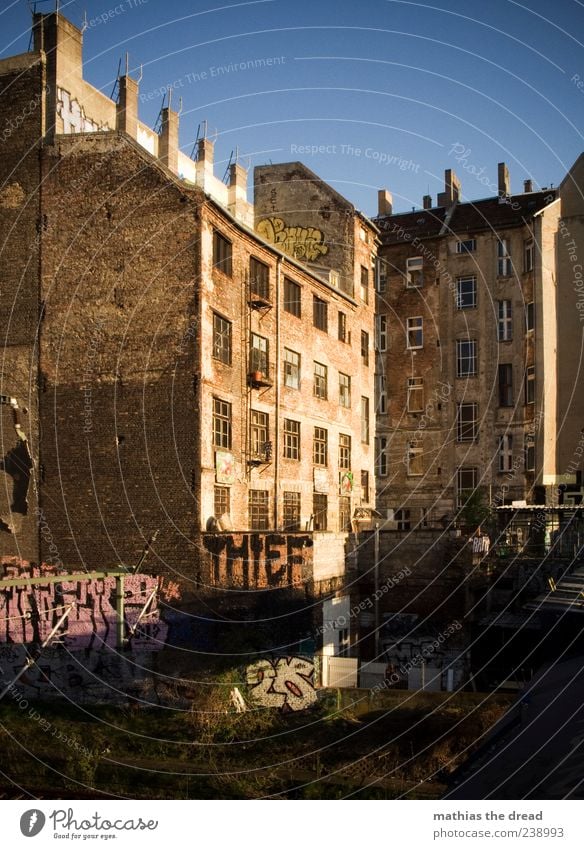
point(28, 613)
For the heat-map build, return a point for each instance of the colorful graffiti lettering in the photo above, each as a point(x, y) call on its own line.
point(286, 683)
point(258, 560)
point(300, 242)
point(28, 613)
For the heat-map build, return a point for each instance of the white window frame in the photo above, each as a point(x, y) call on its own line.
point(381, 328)
point(415, 324)
point(460, 282)
point(504, 320)
point(528, 255)
point(505, 452)
point(462, 246)
point(415, 387)
point(380, 393)
point(471, 357)
point(529, 321)
point(467, 429)
point(530, 385)
point(504, 267)
point(381, 457)
point(414, 272)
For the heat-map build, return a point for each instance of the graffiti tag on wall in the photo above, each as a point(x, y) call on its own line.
point(28, 613)
point(299, 242)
point(73, 115)
point(286, 683)
point(253, 560)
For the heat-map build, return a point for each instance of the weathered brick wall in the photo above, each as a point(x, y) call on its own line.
point(118, 356)
point(21, 115)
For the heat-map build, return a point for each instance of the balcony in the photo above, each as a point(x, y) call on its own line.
point(259, 294)
point(260, 374)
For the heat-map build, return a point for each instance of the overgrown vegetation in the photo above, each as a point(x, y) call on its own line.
point(403, 744)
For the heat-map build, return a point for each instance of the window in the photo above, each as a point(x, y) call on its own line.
point(414, 268)
point(415, 458)
point(259, 512)
point(259, 278)
point(380, 394)
point(221, 339)
point(319, 511)
point(342, 327)
point(365, 420)
point(528, 255)
point(222, 251)
point(291, 439)
point(292, 297)
point(343, 642)
point(466, 246)
point(344, 390)
point(364, 284)
point(291, 369)
point(365, 487)
point(529, 317)
point(415, 394)
point(344, 514)
point(320, 381)
point(221, 423)
point(365, 347)
point(319, 313)
point(291, 511)
point(344, 452)
point(415, 331)
point(381, 333)
point(381, 274)
point(320, 447)
point(466, 357)
point(505, 453)
point(221, 501)
point(402, 517)
point(530, 385)
point(529, 452)
point(504, 268)
point(466, 483)
point(504, 321)
point(466, 293)
point(467, 425)
point(259, 432)
point(381, 458)
point(505, 373)
point(259, 354)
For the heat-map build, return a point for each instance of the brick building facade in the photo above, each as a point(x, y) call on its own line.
point(193, 373)
point(477, 328)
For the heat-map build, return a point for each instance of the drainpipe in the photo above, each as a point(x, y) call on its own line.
point(278, 390)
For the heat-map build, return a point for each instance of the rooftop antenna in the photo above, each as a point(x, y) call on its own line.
point(127, 63)
point(84, 25)
point(117, 80)
point(180, 106)
point(200, 135)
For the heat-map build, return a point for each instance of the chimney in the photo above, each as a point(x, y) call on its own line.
point(237, 191)
point(127, 107)
point(451, 191)
point(62, 44)
point(527, 186)
point(168, 142)
point(427, 202)
point(384, 202)
point(503, 180)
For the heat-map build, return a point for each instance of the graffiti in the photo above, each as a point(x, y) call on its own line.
point(286, 683)
point(73, 115)
point(28, 613)
point(18, 464)
point(300, 242)
point(258, 560)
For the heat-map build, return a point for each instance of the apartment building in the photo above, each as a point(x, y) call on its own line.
point(184, 361)
point(478, 342)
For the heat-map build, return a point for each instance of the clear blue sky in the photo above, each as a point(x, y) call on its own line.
point(401, 82)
